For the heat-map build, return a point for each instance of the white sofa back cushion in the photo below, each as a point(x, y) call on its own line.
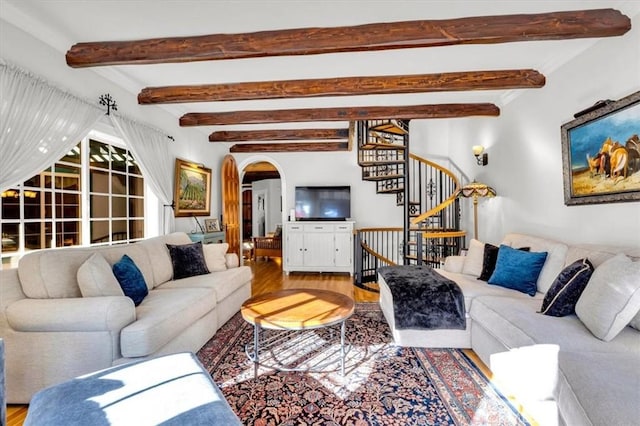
point(474, 259)
point(96, 279)
point(159, 254)
point(214, 255)
point(612, 297)
point(52, 273)
point(556, 255)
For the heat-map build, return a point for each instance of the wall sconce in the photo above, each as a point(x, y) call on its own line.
point(482, 158)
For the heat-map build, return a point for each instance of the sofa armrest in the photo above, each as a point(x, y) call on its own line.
point(110, 313)
point(454, 264)
point(232, 260)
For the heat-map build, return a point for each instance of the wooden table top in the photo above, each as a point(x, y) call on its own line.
point(297, 309)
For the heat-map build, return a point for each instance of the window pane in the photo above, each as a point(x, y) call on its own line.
point(37, 235)
point(98, 154)
point(99, 231)
point(33, 182)
point(67, 177)
point(99, 206)
point(118, 207)
point(11, 204)
point(133, 165)
point(67, 205)
point(72, 156)
point(136, 229)
point(99, 181)
point(118, 159)
point(68, 234)
point(136, 207)
point(10, 237)
point(136, 186)
point(34, 205)
point(118, 183)
point(119, 231)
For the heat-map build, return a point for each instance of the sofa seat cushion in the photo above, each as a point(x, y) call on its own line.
point(515, 322)
point(472, 287)
point(163, 315)
point(599, 388)
point(223, 283)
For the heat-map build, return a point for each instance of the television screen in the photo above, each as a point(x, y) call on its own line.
point(323, 202)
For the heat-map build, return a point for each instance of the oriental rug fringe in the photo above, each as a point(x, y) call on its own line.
point(383, 384)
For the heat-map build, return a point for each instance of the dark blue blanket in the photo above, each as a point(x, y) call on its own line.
point(424, 299)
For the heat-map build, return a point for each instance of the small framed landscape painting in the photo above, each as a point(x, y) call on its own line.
point(192, 189)
point(601, 154)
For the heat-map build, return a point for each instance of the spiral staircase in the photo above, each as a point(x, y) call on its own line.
point(425, 190)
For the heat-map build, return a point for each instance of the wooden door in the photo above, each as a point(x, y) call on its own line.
point(230, 181)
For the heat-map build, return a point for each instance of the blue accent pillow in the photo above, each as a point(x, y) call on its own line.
point(131, 279)
point(566, 289)
point(490, 257)
point(517, 269)
point(187, 260)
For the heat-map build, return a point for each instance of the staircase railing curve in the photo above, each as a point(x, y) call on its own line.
point(426, 190)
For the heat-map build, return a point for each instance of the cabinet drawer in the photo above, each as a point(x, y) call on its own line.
point(347, 227)
point(318, 228)
point(294, 228)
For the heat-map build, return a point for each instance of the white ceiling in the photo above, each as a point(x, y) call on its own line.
point(62, 23)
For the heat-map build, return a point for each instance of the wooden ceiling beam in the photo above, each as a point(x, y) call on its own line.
point(368, 37)
point(291, 147)
point(278, 135)
point(345, 86)
point(339, 114)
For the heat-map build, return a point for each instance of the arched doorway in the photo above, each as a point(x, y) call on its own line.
point(262, 201)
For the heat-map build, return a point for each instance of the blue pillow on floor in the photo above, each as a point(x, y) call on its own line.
point(517, 269)
point(131, 279)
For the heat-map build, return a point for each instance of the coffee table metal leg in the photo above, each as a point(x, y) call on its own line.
point(342, 354)
point(256, 347)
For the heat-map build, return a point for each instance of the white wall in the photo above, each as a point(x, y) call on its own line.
point(271, 189)
point(525, 157)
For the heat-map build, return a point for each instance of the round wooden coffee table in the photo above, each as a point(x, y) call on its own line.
point(295, 309)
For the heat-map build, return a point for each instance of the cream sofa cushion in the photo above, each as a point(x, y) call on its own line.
point(214, 256)
point(95, 278)
point(612, 298)
point(159, 257)
point(474, 259)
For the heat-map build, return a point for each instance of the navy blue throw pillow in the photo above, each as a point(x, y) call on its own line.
point(566, 289)
point(518, 270)
point(187, 260)
point(131, 279)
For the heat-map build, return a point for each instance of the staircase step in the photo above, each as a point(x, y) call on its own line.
point(381, 145)
point(382, 177)
point(390, 191)
point(380, 163)
point(392, 126)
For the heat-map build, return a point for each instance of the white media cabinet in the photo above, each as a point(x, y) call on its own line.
point(318, 246)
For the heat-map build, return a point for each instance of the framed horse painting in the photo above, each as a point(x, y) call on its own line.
point(601, 153)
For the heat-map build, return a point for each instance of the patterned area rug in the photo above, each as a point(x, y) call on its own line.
point(383, 384)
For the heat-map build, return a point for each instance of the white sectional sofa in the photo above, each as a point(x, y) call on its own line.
point(52, 333)
point(587, 381)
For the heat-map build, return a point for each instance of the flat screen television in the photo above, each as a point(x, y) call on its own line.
point(323, 202)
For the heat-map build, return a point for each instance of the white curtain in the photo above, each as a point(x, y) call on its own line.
point(150, 148)
point(38, 124)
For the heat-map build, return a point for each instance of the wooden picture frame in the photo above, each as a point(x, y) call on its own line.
point(601, 154)
point(192, 189)
point(212, 225)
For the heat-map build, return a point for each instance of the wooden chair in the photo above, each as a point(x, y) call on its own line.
point(269, 246)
